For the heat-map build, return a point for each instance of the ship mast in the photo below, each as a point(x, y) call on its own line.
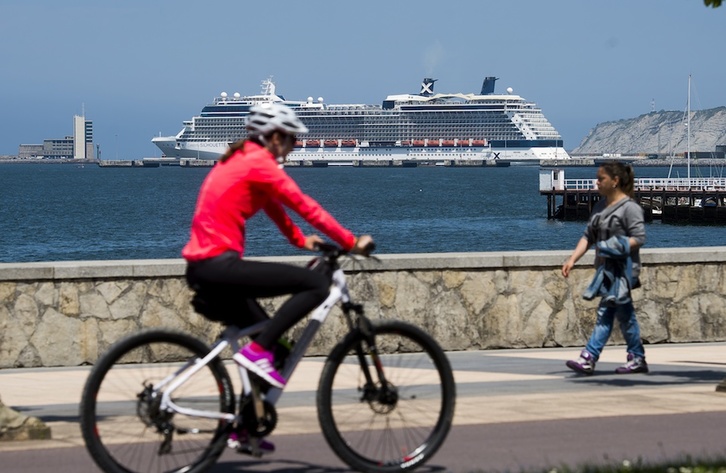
point(688, 131)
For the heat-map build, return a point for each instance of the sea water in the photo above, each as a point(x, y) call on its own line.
point(53, 212)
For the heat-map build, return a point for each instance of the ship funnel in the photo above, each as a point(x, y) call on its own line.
point(488, 86)
point(427, 87)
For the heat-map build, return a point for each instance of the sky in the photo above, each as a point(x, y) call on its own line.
point(138, 68)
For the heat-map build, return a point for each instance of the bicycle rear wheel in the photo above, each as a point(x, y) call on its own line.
point(122, 425)
point(387, 430)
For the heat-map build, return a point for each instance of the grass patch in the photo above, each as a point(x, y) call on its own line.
point(687, 465)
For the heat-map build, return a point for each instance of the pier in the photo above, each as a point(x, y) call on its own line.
point(680, 200)
point(316, 163)
point(365, 163)
point(138, 163)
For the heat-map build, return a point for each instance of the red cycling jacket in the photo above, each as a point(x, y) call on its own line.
point(236, 189)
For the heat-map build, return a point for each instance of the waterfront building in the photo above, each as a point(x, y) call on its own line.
point(76, 146)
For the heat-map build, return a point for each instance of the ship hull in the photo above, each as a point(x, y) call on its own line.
point(211, 151)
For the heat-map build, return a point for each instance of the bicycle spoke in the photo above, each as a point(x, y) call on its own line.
point(124, 428)
point(392, 427)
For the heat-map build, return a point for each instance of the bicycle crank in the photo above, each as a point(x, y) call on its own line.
point(257, 426)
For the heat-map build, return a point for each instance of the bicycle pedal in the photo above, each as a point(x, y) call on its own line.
point(249, 450)
point(244, 448)
point(252, 446)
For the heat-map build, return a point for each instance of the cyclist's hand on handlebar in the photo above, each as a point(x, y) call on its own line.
point(312, 241)
point(364, 245)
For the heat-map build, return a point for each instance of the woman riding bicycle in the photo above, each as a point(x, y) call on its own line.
point(185, 412)
point(250, 177)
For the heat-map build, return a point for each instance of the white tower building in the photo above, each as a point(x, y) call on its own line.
point(79, 137)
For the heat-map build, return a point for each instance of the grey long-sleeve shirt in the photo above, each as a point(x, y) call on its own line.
point(625, 218)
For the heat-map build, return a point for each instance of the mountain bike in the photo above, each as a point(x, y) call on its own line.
point(163, 400)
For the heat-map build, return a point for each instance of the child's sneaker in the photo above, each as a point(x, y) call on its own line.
point(242, 442)
point(585, 364)
point(261, 362)
point(635, 364)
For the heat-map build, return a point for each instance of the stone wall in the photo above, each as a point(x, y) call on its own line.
point(68, 313)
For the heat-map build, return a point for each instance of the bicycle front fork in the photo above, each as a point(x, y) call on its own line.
point(379, 388)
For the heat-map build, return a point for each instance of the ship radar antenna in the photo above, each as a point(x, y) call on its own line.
point(268, 86)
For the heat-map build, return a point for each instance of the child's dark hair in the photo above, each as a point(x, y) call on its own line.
point(624, 172)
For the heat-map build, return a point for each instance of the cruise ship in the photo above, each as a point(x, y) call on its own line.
point(426, 127)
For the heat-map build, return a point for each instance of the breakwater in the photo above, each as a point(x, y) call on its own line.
point(68, 313)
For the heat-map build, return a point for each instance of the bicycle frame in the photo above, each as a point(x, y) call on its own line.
point(230, 337)
point(372, 422)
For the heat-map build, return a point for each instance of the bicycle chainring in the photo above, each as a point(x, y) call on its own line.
point(258, 427)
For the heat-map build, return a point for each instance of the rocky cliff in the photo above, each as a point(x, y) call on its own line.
point(661, 133)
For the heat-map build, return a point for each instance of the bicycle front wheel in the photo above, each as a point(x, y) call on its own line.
point(391, 426)
point(121, 421)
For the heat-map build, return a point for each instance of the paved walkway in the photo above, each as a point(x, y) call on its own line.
point(494, 386)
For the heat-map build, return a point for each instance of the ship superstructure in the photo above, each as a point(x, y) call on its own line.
point(426, 126)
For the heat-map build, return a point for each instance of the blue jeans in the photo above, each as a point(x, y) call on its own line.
point(604, 326)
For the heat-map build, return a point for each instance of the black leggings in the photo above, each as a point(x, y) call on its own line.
point(227, 286)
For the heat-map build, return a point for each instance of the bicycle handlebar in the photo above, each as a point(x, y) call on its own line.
point(331, 249)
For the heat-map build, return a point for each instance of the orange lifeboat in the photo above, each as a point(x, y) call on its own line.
point(432, 142)
point(298, 144)
point(312, 143)
point(406, 143)
point(479, 143)
point(347, 143)
point(418, 142)
point(462, 143)
point(447, 143)
point(331, 143)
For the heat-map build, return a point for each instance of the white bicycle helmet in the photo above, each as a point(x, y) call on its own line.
point(265, 118)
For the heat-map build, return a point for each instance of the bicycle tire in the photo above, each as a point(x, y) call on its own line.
point(119, 424)
point(399, 436)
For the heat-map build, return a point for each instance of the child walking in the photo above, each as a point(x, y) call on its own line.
point(616, 228)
